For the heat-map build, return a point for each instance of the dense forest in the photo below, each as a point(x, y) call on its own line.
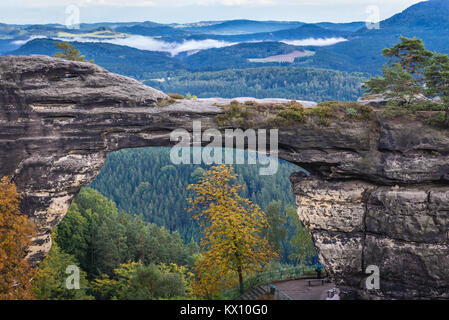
point(281, 82)
point(121, 256)
point(112, 249)
point(144, 182)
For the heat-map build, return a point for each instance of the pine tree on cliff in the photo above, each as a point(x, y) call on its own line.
point(411, 54)
point(15, 237)
point(396, 85)
point(437, 80)
point(402, 80)
point(69, 52)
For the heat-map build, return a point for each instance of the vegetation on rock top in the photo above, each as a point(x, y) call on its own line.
point(251, 113)
point(412, 81)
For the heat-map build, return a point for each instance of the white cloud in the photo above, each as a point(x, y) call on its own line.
point(151, 44)
point(315, 42)
point(175, 48)
point(22, 42)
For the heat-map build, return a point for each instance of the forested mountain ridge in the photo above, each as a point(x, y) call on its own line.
point(241, 26)
point(239, 76)
point(119, 59)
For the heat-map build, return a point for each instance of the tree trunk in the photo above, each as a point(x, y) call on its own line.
point(239, 271)
point(446, 115)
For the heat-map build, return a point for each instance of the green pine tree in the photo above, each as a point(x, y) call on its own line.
point(411, 54)
point(69, 52)
point(437, 80)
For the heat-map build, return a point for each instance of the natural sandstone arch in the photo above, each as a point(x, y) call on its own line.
point(378, 193)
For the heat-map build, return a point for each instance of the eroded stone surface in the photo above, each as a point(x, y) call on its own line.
point(402, 230)
point(378, 191)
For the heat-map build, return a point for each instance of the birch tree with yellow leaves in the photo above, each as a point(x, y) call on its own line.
point(233, 227)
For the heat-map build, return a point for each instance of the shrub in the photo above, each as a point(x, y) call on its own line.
point(427, 106)
point(165, 102)
point(234, 112)
point(326, 111)
point(437, 121)
point(394, 110)
point(294, 112)
point(351, 112)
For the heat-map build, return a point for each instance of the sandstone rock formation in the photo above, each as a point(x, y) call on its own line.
point(378, 193)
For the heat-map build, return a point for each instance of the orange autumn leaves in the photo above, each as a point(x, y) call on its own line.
point(232, 243)
point(15, 237)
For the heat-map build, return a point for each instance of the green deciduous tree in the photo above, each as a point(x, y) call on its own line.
point(276, 231)
point(101, 238)
point(50, 281)
point(136, 281)
point(301, 241)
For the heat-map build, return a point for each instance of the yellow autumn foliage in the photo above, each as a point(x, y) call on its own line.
point(16, 232)
point(233, 242)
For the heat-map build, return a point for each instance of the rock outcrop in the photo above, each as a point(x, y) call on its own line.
point(378, 192)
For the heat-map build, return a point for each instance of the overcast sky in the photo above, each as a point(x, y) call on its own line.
point(167, 11)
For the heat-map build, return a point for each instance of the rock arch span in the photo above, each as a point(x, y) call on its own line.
point(378, 193)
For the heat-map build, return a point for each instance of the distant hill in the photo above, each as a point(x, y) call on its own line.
point(9, 30)
point(427, 20)
point(288, 31)
point(236, 27)
point(152, 30)
point(429, 15)
point(119, 59)
point(346, 27)
point(236, 56)
point(305, 31)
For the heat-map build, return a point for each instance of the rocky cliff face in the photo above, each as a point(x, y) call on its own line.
point(378, 193)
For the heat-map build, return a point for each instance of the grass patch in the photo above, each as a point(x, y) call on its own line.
point(175, 96)
point(293, 112)
point(236, 112)
point(326, 112)
point(250, 113)
point(165, 102)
